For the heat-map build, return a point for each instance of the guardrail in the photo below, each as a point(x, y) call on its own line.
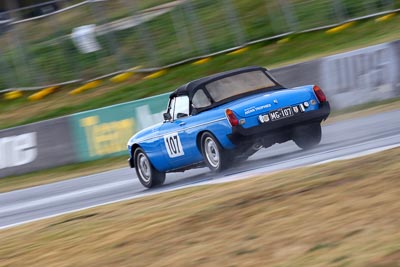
point(368, 74)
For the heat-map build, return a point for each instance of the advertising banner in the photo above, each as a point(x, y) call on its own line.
point(106, 131)
point(35, 146)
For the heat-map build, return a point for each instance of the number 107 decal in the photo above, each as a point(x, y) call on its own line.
point(173, 145)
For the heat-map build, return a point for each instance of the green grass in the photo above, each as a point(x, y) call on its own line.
point(300, 47)
point(165, 39)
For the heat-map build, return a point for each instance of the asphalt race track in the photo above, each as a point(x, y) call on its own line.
point(339, 140)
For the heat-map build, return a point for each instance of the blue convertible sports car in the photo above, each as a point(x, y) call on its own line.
point(224, 118)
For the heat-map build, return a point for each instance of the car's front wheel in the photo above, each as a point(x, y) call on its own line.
point(214, 155)
point(307, 136)
point(147, 174)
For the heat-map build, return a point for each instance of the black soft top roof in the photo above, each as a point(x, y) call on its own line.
point(191, 87)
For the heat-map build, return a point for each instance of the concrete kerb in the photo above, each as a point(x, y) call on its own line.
point(43, 93)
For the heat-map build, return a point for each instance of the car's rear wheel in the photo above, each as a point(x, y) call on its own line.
point(147, 174)
point(307, 136)
point(215, 156)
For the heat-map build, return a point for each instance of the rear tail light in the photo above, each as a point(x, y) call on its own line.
point(231, 117)
point(319, 93)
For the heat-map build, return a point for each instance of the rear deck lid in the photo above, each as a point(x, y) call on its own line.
point(264, 102)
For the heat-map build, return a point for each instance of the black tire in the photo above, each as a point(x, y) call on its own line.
point(215, 156)
point(307, 136)
point(147, 174)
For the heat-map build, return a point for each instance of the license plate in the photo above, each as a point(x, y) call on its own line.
point(281, 113)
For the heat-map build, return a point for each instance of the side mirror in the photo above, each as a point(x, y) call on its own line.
point(167, 116)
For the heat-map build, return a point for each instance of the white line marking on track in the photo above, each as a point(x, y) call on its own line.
point(359, 154)
point(75, 194)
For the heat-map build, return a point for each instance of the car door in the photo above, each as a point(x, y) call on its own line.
point(176, 142)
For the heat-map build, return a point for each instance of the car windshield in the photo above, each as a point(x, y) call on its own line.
point(238, 84)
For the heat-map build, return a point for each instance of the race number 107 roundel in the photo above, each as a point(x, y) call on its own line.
point(173, 145)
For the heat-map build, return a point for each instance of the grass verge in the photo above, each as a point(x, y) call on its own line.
point(326, 215)
point(86, 168)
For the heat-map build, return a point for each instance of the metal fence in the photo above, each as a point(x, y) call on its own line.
point(85, 40)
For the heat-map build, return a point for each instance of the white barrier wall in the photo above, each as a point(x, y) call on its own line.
point(36, 146)
point(361, 76)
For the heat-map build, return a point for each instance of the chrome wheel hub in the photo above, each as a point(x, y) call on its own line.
point(144, 167)
point(212, 152)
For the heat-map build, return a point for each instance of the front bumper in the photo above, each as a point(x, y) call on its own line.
point(239, 134)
